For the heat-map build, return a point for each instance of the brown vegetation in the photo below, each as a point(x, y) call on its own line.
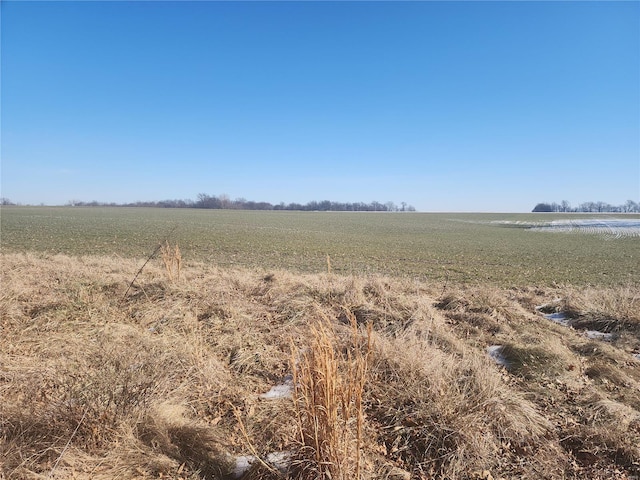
point(391, 377)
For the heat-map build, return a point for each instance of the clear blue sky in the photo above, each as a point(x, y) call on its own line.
point(448, 106)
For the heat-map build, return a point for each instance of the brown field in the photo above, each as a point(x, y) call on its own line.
point(388, 378)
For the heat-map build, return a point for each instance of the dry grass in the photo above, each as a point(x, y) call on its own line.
point(609, 310)
point(329, 385)
point(166, 382)
point(172, 260)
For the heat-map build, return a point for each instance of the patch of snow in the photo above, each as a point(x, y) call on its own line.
point(278, 460)
point(495, 352)
point(242, 466)
point(284, 390)
point(596, 335)
point(559, 317)
point(608, 227)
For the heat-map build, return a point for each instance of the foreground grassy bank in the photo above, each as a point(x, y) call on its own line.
point(465, 248)
point(166, 379)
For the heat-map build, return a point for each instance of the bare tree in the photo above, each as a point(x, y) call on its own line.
point(631, 206)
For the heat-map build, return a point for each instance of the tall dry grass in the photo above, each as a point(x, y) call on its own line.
point(166, 381)
point(172, 260)
point(609, 310)
point(329, 380)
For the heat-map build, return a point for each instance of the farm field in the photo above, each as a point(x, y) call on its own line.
point(464, 248)
point(438, 346)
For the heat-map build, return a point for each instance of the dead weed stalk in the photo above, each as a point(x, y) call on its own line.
point(329, 382)
point(158, 248)
point(55, 465)
point(172, 260)
point(250, 445)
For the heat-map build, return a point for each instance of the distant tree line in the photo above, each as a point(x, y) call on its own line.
point(223, 202)
point(592, 207)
